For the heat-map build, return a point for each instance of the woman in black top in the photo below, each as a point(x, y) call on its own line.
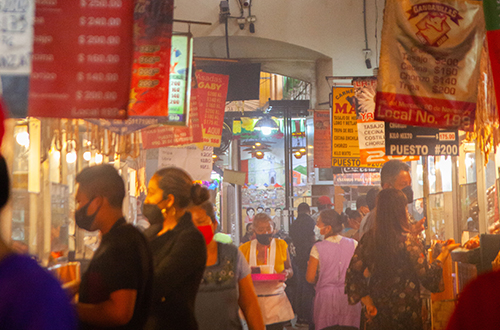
point(179, 250)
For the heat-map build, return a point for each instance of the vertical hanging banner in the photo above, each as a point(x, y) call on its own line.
point(81, 59)
point(492, 18)
point(211, 98)
point(322, 139)
point(153, 21)
point(345, 147)
point(429, 64)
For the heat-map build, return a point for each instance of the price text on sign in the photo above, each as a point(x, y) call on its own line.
point(430, 54)
point(81, 59)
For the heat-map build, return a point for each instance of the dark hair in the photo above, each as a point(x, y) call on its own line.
point(390, 223)
point(371, 197)
point(303, 208)
point(332, 218)
point(175, 181)
point(361, 201)
point(322, 207)
point(208, 207)
point(4, 182)
point(354, 214)
point(250, 208)
point(267, 209)
point(261, 217)
point(391, 170)
point(248, 226)
point(102, 180)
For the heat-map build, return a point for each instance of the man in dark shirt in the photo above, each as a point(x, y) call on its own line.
point(115, 291)
point(302, 234)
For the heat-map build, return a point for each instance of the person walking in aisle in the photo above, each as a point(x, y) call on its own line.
point(115, 290)
point(179, 249)
point(327, 267)
point(227, 283)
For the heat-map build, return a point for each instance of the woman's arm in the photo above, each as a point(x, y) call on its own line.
point(312, 269)
point(249, 304)
point(288, 266)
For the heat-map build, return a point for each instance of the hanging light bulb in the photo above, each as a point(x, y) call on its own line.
point(87, 155)
point(259, 155)
point(56, 155)
point(71, 157)
point(23, 139)
point(303, 151)
point(297, 155)
point(98, 158)
point(258, 144)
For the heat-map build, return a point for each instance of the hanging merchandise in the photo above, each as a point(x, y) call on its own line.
point(211, 98)
point(345, 147)
point(152, 40)
point(429, 65)
point(81, 59)
point(322, 139)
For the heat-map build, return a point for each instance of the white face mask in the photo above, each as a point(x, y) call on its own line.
point(317, 234)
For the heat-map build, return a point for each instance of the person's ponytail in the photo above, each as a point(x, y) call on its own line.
point(199, 194)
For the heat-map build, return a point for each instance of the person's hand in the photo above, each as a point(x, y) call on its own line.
point(71, 287)
point(418, 227)
point(371, 310)
point(445, 252)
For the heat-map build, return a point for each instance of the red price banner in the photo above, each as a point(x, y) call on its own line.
point(82, 55)
point(322, 139)
point(212, 92)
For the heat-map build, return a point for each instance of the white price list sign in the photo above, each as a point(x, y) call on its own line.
point(197, 162)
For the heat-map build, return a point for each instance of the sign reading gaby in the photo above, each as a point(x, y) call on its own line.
point(322, 139)
point(430, 63)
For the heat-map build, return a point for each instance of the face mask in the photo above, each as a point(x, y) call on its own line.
point(264, 239)
point(317, 234)
point(153, 213)
point(207, 232)
point(408, 193)
point(83, 220)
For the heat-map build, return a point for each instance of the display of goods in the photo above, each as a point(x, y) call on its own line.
point(472, 243)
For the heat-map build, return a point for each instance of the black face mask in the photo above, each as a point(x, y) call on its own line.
point(264, 239)
point(83, 220)
point(153, 213)
point(408, 193)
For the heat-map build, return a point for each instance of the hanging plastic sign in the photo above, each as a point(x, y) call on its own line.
point(82, 55)
point(153, 21)
point(322, 139)
point(492, 18)
point(16, 36)
point(403, 140)
point(163, 136)
point(212, 92)
point(345, 148)
point(430, 63)
point(197, 162)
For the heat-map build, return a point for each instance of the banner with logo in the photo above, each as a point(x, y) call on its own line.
point(429, 65)
point(356, 179)
point(322, 139)
point(211, 98)
point(153, 21)
point(345, 147)
point(492, 18)
point(82, 55)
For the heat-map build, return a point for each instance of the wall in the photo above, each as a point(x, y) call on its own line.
point(290, 36)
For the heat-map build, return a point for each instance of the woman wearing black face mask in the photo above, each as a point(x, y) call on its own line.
point(179, 249)
point(269, 255)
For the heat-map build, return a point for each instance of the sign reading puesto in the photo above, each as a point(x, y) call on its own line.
point(429, 65)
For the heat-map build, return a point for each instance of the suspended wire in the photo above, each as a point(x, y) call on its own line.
point(227, 40)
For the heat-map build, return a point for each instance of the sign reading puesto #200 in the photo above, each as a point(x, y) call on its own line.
point(82, 55)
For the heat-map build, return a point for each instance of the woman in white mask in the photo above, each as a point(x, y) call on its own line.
point(270, 255)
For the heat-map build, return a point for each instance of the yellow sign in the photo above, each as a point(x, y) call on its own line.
point(345, 146)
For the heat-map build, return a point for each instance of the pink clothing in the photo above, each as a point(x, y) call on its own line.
point(331, 305)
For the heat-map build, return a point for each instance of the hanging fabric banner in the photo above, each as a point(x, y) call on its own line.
point(152, 38)
point(345, 147)
point(492, 18)
point(322, 139)
point(82, 55)
point(211, 98)
point(429, 63)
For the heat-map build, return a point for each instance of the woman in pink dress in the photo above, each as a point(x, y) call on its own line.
point(327, 267)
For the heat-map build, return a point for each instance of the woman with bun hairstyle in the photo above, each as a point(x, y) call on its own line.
point(327, 268)
point(179, 250)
